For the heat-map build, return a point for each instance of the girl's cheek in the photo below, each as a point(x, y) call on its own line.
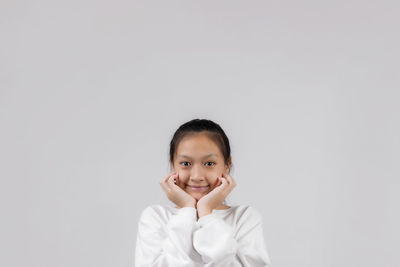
point(181, 183)
point(217, 182)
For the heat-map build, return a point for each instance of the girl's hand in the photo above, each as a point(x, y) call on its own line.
point(210, 201)
point(175, 193)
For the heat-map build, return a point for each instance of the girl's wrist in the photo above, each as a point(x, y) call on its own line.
point(189, 205)
point(203, 212)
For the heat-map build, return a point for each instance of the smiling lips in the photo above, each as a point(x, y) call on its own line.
point(197, 188)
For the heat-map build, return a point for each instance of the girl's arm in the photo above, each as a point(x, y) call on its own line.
point(166, 243)
point(220, 245)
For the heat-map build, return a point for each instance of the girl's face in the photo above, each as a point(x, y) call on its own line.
point(199, 163)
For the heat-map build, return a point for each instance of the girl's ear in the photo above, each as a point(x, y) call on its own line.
point(227, 169)
point(228, 166)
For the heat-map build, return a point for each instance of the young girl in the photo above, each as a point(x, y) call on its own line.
point(201, 230)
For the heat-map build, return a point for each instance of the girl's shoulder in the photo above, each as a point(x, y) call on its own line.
point(159, 209)
point(155, 212)
point(160, 212)
point(154, 208)
point(246, 213)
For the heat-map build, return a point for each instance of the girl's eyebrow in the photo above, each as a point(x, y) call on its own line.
point(206, 156)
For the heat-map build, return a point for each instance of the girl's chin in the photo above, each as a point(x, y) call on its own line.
point(197, 197)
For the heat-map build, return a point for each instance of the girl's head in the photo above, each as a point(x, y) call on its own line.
point(200, 153)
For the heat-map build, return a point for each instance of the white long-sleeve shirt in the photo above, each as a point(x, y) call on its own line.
point(174, 237)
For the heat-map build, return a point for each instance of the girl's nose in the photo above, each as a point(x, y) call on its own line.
point(197, 174)
point(196, 179)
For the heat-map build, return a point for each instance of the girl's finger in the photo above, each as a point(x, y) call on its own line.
point(164, 186)
point(217, 182)
point(230, 179)
point(165, 178)
point(170, 181)
point(224, 176)
point(164, 183)
point(225, 187)
point(224, 182)
point(169, 176)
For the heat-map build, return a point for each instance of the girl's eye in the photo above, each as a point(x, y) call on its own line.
point(183, 163)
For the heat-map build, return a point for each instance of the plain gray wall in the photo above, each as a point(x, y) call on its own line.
point(92, 91)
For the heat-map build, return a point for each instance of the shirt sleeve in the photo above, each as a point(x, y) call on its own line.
point(165, 244)
point(219, 244)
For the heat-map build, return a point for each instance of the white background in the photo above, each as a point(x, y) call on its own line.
point(92, 91)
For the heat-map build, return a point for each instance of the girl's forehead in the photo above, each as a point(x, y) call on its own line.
point(197, 143)
point(198, 147)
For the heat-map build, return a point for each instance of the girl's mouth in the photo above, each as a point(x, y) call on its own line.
point(198, 188)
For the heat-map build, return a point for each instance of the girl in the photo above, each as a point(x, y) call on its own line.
point(201, 230)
